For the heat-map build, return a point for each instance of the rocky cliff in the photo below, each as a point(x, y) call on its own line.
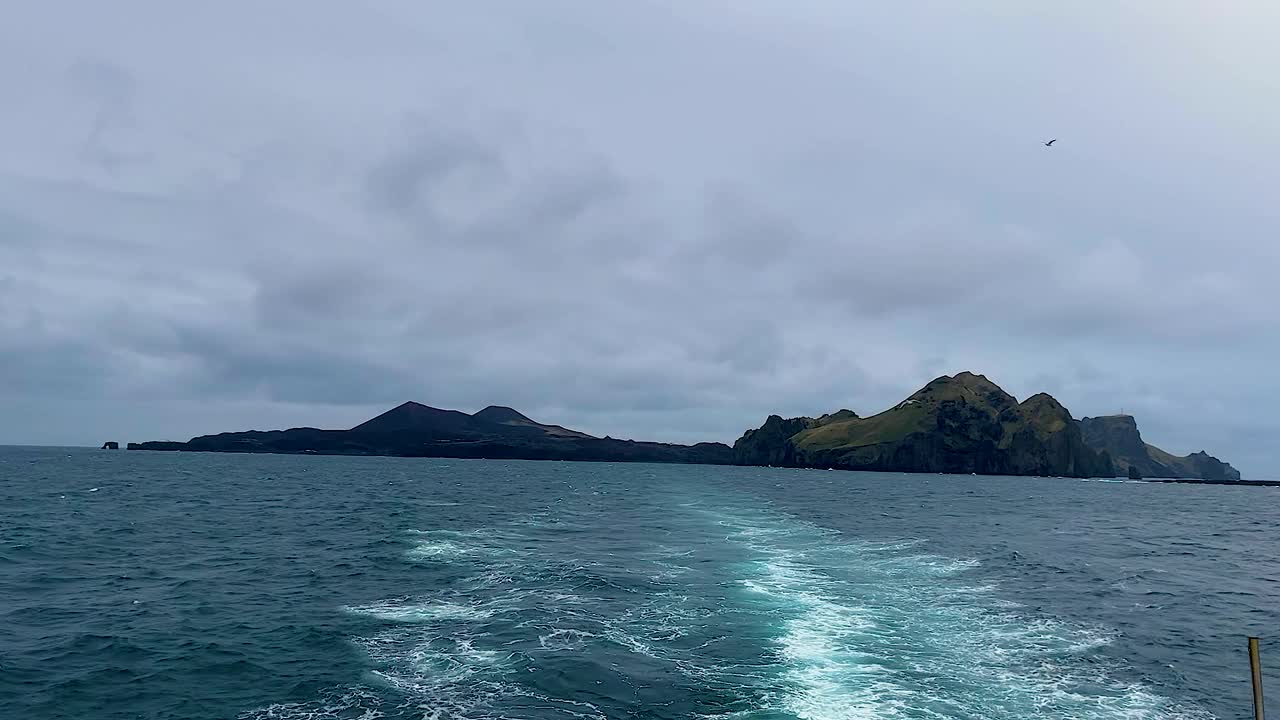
point(767, 445)
point(960, 424)
point(1118, 435)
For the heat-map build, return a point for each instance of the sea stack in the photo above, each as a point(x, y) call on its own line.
point(111, 445)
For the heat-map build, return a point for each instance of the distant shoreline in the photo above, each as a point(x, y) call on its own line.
point(962, 424)
point(1196, 481)
point(1116, 479)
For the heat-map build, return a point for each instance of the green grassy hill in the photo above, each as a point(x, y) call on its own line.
point(962, 423)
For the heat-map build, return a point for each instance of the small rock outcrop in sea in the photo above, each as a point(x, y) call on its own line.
point(1119, 436)
point(961, 424)
point(110, 445)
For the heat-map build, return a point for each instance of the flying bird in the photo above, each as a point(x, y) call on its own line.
point(1051, 142)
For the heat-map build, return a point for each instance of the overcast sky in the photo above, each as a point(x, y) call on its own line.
point(659, 219)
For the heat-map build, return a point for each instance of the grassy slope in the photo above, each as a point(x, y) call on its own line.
point(889, 425)
point(915, 414)
point(1179, 465)
point(1042, 414)
point(1160, 456)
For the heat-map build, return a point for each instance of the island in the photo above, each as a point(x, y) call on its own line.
point(961, 424)
point(956, 425)
point(416, 430)
point(967, 424)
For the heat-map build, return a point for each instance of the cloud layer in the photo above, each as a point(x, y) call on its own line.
point(652, 219)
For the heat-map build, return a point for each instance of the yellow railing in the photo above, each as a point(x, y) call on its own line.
point(1255, 668)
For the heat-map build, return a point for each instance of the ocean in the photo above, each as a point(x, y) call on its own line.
point(166, 585)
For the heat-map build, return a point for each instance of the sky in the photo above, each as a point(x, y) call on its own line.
point(653, 219)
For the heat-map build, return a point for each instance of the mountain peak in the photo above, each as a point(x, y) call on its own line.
point(1044, 399)
point(514, 419)
point(975, 381)
point(963, 379)
point(966, 386)
point(838, 416)
point(413, 416)
point(501, 414)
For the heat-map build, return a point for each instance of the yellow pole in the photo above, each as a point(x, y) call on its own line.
point(1255, 665)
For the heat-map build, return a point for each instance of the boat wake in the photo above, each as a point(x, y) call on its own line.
point(735, 612)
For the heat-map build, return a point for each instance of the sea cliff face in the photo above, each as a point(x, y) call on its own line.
point(961, 424)
point(1119, 436)
point(767, 445)
point(967, 424)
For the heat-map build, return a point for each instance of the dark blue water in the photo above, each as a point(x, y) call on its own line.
point(154, 585)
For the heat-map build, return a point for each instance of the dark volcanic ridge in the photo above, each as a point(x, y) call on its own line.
point(955, 424)
point(417, 430)
point(1119, 436)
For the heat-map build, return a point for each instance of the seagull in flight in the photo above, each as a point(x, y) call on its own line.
point(1051, 142)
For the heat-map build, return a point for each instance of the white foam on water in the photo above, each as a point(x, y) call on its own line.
point(663, 558)
point(669, 571)
point(426, 612)
point(825, 672)
point(451, 545)
point(431, 661)
point(564, 639)
point(355, 703)
point(852, 631)
point(450, 679)
point(881, 631)
point(437, 550)
point(437, 659)
point(444, 675)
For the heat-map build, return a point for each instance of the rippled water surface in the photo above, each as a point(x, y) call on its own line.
point(155, 585)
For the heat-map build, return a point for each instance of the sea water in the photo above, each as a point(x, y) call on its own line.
point(157, 585)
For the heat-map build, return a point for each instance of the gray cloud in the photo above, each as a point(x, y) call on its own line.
point(110, 92)
point(660, 219)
